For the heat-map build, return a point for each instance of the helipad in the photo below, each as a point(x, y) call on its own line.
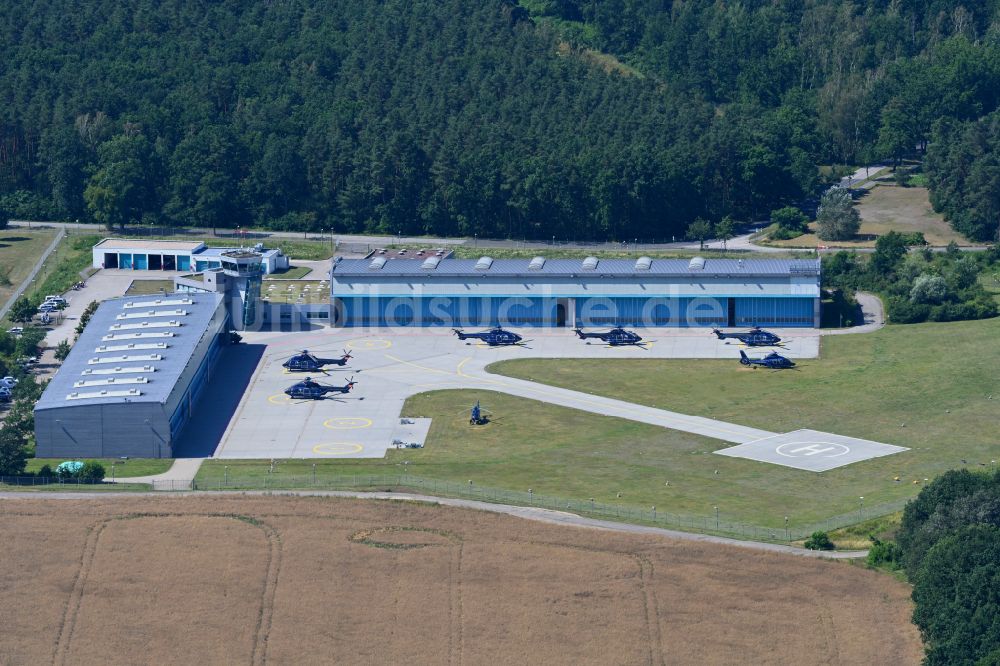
point(811, 450)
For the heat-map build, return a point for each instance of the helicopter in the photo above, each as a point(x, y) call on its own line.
point(478, 416)
point(306, 362)
point(755, 337)
point(307, 389)
point(774, 361)
point(495, 337)
point(616, 337)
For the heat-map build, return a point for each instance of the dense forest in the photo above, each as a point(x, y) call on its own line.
point(606, 119)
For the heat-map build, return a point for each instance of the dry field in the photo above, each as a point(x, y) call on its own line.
point(886, 208)
point(318, 580)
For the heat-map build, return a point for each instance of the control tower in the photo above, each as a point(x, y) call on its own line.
point(244, 271)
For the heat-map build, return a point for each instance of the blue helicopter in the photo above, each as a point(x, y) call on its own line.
point(306, 362)
point(616, 337)
point(495, 337)
point(479, 415)
point(307, 389)
point(774, 361)
point(755, 337)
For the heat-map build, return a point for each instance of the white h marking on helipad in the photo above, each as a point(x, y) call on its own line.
point(813, 449)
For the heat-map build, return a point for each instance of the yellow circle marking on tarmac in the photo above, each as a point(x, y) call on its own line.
point(369, 343)
point(338, 449)
point(279, 399)
point(347, 423)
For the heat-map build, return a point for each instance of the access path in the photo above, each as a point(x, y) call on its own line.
point(528, 513)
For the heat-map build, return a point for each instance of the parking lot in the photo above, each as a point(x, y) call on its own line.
point(389, 365)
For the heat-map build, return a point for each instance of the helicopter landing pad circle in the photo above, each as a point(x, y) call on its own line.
point(810, 450)
point(338, 449)
point(807, 449)
point(369, 343)
point(347, 423)
point(279, 399)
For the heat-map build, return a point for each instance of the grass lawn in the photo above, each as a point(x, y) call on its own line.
point(145, 287)
point(123, 469)
point(64, 267)
point(888, 207)
point(553, 450)
point(20, 249)
point(293, 273)
point(924, 386)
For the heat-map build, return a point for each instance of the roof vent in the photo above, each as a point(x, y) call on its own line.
point(643, 264)
point(484, 263)
point(696, 264)
point(378, 263)
point(536, 264)
point(590, 264)
point(430, 263)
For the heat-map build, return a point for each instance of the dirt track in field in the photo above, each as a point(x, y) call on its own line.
point(323, 580)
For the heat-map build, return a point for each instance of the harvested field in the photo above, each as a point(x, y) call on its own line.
point(315, 580)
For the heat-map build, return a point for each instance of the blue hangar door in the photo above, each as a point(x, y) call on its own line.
point(449, 311)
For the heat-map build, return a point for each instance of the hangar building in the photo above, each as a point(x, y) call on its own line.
point(161, 255)
point(133, 378)
point(572, 292)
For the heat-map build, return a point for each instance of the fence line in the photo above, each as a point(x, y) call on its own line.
point(711, 524)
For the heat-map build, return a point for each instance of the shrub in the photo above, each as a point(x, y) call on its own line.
point(819, 541)
point(902, 311)
point(929, 289)
point(92, 472)
point(788, 222)
point(885, 554)
point(46, 472)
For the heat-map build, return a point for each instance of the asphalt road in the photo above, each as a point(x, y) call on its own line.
point(528, 513)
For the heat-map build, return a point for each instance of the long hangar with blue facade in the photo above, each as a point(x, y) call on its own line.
point(132, 380)
point(436, 291)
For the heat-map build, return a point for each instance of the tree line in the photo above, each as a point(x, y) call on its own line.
point(463, 117)
point(949, 546)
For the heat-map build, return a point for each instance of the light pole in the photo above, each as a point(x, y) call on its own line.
point(717, 518)
point(113, 472)
point(786, 528)
point(225, 472)
point(861, 509)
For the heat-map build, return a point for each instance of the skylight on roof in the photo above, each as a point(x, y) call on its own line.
point(484, 263)
point(146, 304)
point(124, 359)
point(152, 313)
point(129, 393)
point(137, 336)
point(536, 264)
point(145, 324)
point(110, 381)
point(643, 264)
point(590, 264)
point(378, 263)
point(128, 370)
point(129, 347)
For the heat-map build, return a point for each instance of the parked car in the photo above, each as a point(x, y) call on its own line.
point(5, 394)
point(17, 330)
point(8, 382)
point(47, 307)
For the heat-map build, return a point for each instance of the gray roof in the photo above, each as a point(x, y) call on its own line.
point(575, 268)
point(134, 349)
